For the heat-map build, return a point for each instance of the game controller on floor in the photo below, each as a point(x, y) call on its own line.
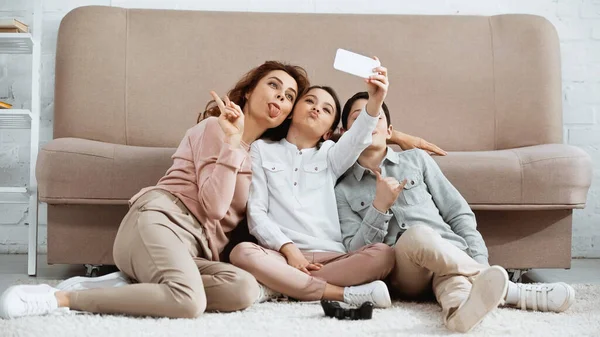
point(334, 309)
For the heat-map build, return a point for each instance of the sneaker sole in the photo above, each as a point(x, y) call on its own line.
point(387, 300)
point(571, 298)
point(486, 294)
point(70, 283)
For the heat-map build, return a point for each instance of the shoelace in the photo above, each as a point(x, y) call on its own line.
point(272, 294)
point(37, 305)
point(359, 298)
point(531, 291)
point(267, 294)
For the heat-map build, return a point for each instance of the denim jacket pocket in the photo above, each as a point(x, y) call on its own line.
point(361, 204)
point(415, 190)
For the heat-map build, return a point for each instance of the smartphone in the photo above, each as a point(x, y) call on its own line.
point(354, 63)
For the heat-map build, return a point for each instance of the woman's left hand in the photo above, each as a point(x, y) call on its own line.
point(407, 142)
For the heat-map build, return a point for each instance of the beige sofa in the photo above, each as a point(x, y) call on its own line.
point(129, 82)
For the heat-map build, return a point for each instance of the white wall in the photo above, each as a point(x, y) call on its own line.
point(577, 21)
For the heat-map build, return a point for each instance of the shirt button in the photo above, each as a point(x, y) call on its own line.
point(296, 169)
point(403, 225)
point(362, 203)
point(316, 168)
point(412, 182)
point(273, 169)
point(299, 152)
point(295, 183)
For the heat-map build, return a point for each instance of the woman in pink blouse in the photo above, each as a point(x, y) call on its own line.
point(171, 238)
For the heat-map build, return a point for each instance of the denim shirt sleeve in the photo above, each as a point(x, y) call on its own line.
point(357, 231)
point(454, 209)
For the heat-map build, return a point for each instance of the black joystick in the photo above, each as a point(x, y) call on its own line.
point(334, 309)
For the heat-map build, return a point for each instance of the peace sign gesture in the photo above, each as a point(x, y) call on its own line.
point(231, 119)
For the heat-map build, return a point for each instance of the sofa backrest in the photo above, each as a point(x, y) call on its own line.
point(140, 76)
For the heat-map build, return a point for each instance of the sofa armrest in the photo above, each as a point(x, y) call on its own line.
point(81, 171)
point(550, 176)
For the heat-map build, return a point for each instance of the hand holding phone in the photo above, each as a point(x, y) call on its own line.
point(371, 70)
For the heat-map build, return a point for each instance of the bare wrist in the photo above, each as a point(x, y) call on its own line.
point(234, 140)
point(286, 248)
point(373, 108)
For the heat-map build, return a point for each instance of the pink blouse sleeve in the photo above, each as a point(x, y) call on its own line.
point(217, 165)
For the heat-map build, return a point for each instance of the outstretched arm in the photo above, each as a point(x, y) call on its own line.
point(407, 142)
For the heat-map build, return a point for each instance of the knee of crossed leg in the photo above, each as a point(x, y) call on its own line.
point(385, 258)
point(243, 288)
point(190, 301)
point(239, 255)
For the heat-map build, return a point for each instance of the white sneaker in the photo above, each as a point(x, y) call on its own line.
point(266, 294)
point(375, 292)
point(28, 300)
point(556, 297)
point(486, 294)
point(112, 280)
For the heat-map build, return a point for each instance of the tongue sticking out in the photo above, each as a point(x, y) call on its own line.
point(274, 111)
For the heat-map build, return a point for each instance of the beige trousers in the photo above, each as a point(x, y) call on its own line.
point(174, 279)
point(425, 262)
point(370, 263)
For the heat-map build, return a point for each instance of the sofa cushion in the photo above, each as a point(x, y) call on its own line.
point(550, 176)
point(80, 171)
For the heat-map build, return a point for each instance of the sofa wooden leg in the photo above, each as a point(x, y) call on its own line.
point(92, 270)
point(515, 275)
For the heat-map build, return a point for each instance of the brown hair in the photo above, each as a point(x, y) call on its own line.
point(249, 81)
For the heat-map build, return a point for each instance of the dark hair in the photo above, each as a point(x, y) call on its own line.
point(281, 131)
point(249, 81)
point(360, 95)
point(338, 106)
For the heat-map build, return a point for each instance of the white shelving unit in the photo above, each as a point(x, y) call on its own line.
point(20, 43)
point(16, 43)
point(15, 118)
point(14, 195)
